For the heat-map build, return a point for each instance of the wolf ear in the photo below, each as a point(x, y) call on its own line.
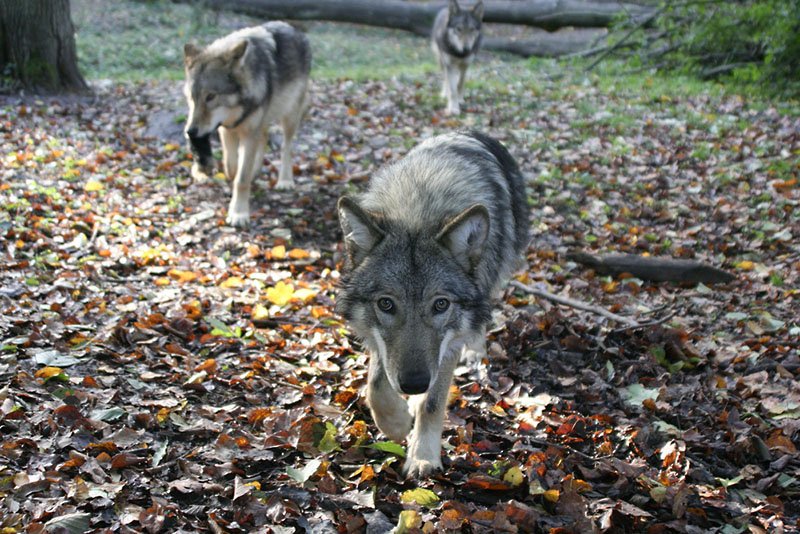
point(477, 11)
point(465, 236)
point(190, 51)
point(452, 7)
point(237, 52)
point(360, 230)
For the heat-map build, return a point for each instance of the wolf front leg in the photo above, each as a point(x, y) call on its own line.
point(389, 409)
point(451, 79)
point(202, 159)
point(424, 453)
point(250, 155)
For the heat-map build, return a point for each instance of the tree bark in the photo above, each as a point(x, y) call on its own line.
point(37, 45)
point(418, 17)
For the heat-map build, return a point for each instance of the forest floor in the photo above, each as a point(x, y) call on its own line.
point(163, 372)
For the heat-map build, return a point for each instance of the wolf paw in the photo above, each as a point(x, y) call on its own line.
point(284, 185)
point(420, 468)
point(238, 219)
point(452, 110)
point(201, 173)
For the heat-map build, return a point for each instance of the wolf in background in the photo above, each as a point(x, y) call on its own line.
point(428, 244)
point(455, 39)
point(240, 84)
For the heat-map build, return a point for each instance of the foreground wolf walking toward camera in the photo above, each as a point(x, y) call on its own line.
point(433, 238)
point(240, 84)
point(455, 39)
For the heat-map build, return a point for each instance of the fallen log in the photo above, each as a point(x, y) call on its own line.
point(655, 269)
point(418, 17)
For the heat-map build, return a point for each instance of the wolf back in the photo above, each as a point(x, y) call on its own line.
point(241, 83)
point(429, 242)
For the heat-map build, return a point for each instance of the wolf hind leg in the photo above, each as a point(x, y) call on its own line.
point(424, 453)
point(389, 409)
point(290, 123)
point(250, 156)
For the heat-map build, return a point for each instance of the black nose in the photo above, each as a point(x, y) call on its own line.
point(414, 383)
point(191, 132)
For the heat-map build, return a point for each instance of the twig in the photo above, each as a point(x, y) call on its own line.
point(627, 36)
point(645, 325)
point(575, 304)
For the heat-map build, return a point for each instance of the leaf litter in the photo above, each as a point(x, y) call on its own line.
point(162, 372)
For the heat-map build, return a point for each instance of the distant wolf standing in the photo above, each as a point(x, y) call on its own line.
point(433, 238)
point(455, 39)
point(240, 84)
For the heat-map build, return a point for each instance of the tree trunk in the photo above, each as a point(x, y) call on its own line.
point(37, 45)
point(418, 17)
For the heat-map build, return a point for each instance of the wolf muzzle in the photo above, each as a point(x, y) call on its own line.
point(414, 382)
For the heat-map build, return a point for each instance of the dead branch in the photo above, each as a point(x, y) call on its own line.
point(655, 269)
point(565, 301)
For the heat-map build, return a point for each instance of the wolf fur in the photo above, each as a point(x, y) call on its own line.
point(455, 39)
point(239, 85)
point(427, 245)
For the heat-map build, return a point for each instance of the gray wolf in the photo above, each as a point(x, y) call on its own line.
point(455, 39)
point(239, 85)
point(427, 245)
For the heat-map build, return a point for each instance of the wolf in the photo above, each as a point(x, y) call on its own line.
point(239, 85)
point(455, 39)
point(429, 243)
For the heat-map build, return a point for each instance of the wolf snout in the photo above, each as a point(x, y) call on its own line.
point(414, 383)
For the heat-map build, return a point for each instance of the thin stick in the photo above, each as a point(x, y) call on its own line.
point(575, 304)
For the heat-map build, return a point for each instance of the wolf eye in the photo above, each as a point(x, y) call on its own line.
point(210, 97)
point(441, 305)
point(385, 304)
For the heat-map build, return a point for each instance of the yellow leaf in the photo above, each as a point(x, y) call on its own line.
point(259, 312)
point(421, 496)
point(304, 294)
point(220, 175)
point(232, 281)
point(170, 147)
point(93, 185)
point(551, 495)
point(162, 281)
point(408, 519)
point(48, 372)
point(281, 294)
point(256, 484)
point(745, 265)
point(514, 476)
point(279, 252)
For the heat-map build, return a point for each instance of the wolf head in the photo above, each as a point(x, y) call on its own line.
point(464, 26)
point(215, 87)
point(412, 296)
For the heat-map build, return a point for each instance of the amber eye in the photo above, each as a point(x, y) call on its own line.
point(385, 304)
point(441, 305)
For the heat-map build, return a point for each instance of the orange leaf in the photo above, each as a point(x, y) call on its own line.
point(162, 281)
point(258, 414)
point(209, 366)
point(298, 254)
